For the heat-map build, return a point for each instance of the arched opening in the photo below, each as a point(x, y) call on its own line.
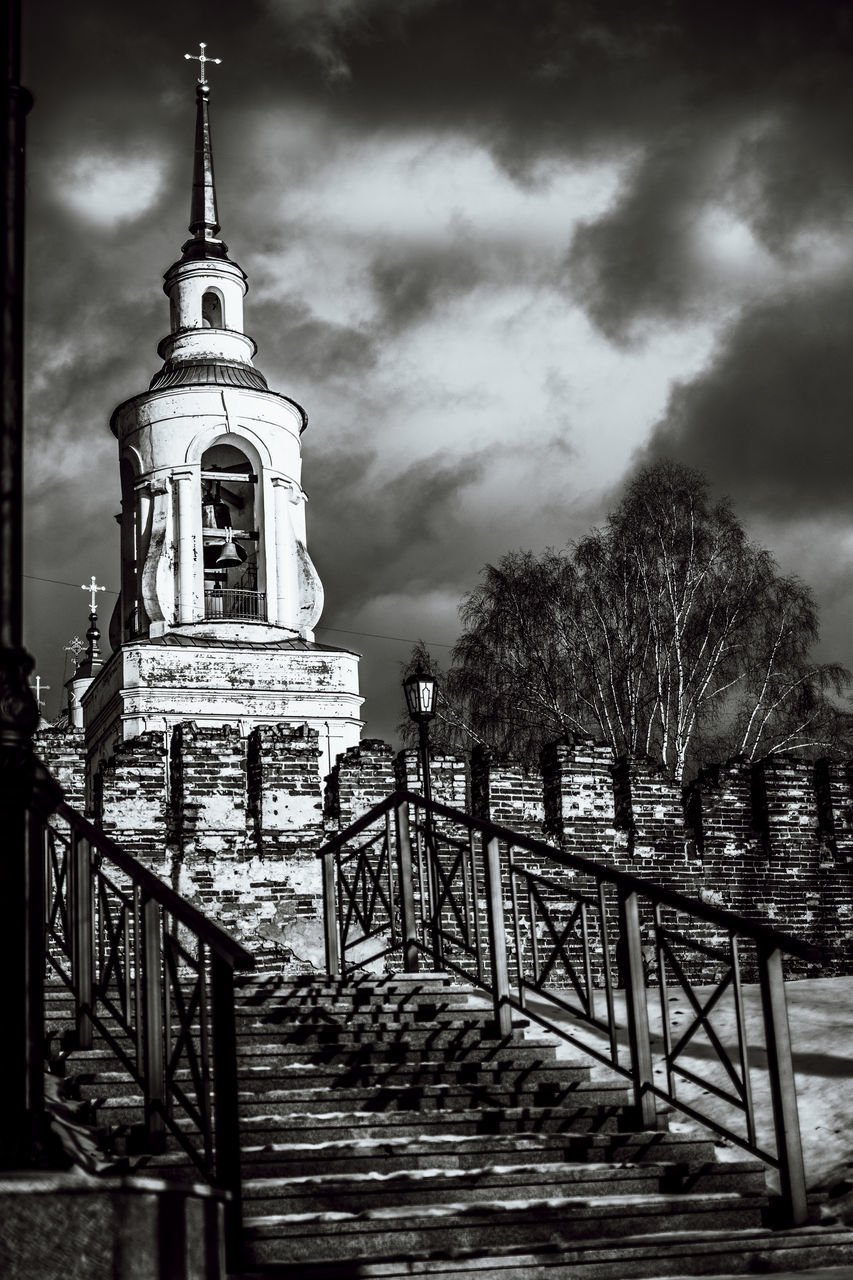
point(232, 546)
point(211, 310)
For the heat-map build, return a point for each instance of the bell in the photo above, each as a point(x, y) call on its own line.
point(231, 554)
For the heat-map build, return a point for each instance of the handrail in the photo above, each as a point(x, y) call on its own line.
point(667, 897)
point(156, 978)
point(548, 944)
point(177, 907)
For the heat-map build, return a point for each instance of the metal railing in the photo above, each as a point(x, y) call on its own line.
point(632, 973)
point(156, 979)
point(236, 604)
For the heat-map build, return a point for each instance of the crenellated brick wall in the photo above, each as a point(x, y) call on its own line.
point(362, 777)
point(132, 800)
point(234, 824)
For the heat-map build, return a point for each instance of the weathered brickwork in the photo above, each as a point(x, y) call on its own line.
point(448, 775)
point(285, 812)
point(63, 752)
point(235, 824)
point(232, 824)
point(508, 794)
point(362, 777)
point(727, 846)
point(132, 800)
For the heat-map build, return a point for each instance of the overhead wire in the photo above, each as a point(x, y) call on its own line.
point(341, 631)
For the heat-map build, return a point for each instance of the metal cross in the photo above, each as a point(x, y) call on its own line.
point(76, 647)
point(37, 688)
point(92, 588)
point(201, 60)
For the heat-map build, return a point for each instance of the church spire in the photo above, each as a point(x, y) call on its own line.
point(204, 217)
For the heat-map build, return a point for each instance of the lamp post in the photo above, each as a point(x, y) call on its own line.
point(420, 689)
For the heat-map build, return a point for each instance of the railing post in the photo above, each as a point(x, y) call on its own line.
point(82, 958)
point(497, 936)
point(783, 1091)
point(330, 918)
point(153, 1068)
point(407, 888)
point(631, 956)
point(35, 962)
point(226, 1121)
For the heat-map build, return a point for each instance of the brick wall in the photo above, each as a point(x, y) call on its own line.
point(132, 800)
point(63, 752)
point(282, 885)
point(363, 777)
point(235, 824)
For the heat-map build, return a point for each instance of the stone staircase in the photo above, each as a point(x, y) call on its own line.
point(386, 1132)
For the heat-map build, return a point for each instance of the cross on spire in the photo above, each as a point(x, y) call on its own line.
point(76, 647)
point(93, 588)
point(202, 60)
point(37, 690)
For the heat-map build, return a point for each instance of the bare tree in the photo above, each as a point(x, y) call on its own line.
point(664, 628)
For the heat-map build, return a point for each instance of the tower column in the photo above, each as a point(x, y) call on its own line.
point(283, 553)
point(183, 494)
point(142, 490)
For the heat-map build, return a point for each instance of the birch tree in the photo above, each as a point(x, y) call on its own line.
point(663, 629)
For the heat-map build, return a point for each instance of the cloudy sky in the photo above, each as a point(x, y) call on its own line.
point(501, 251)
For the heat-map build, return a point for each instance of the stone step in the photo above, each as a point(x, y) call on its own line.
point(337, 1058)
point(462, 1151)
point(368, 1015)
point(323, 1237)
point(257, 1068)
point(336, 1040)
point(287, 1126)
point(265, 986)
point(352, 1030)
point(713, 1255)
point(357, 1193)
point(429, 1097)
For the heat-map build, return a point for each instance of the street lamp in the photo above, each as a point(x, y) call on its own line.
point(420, 689)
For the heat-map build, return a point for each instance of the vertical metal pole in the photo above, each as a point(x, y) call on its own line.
point(497, 937)
point(330, 918)
point(742, 1040)
point(82, 956)
point(152, 1037)
point(389, 862)
point(783, 1091)
point(608, 974)
point(516, 928)
point(430, 845)
point(36, 940)
point(227, 1119)
point(18, 712)
point(407, 888)
point(478, 940)
point(637, 1010)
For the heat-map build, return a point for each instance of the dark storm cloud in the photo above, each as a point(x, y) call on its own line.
point(636, 260)
point(412, 281)
point(769, 421)
point(403, 533)
point(309, 348)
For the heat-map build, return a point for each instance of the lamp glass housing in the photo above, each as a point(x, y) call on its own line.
point(420, 689)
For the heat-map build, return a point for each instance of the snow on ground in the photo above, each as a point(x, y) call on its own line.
point(820, 1015)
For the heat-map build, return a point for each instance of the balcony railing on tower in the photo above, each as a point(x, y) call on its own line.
point(236, 604)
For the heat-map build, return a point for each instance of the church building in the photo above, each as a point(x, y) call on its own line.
point(219, 596)
point(203, 740)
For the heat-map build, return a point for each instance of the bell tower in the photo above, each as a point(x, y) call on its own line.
point(219, 596)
